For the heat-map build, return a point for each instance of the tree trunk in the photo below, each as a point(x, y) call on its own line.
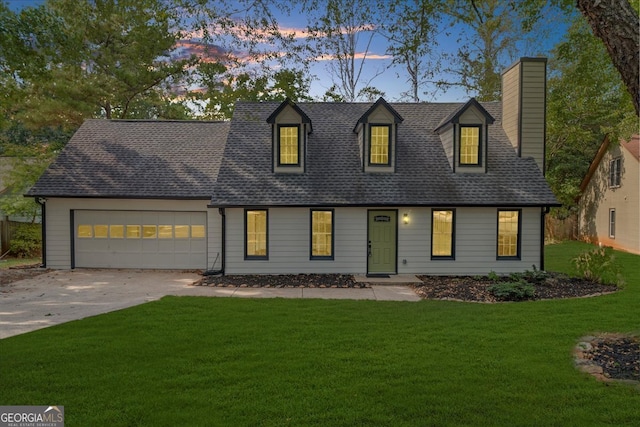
point(615, 22)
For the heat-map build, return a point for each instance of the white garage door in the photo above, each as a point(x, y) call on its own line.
point(140, 239)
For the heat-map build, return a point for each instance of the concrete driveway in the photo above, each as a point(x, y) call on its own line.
point(64, 295)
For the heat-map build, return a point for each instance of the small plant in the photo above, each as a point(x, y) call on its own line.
point(512, 291)
point(599, 265)
point(26, 241)
point(535, 275)
point(493, 276)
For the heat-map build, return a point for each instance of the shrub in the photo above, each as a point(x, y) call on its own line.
point(599, 265)
point(26, 241)
point(512, 291)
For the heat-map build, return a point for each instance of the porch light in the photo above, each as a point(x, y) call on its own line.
point(405, 218)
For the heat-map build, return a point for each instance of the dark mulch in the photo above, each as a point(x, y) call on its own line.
point(476, 289)
point(617, 355)
point(284, 281)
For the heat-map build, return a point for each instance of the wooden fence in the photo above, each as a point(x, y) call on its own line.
point(561, 229)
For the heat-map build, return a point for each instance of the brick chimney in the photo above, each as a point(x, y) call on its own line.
point(524, 88)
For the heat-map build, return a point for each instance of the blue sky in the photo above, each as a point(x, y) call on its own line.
point(393, 79)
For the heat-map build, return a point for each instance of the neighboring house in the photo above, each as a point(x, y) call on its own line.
point(375, 188)
point(610, 197)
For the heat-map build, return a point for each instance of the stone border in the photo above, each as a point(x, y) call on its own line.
point(586, 365)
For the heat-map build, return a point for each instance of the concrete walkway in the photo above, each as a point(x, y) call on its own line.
point(62, 296)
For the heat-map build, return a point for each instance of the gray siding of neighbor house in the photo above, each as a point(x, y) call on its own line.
point(523, 106)
point(289, 235)
point(599, 198)
point(59, 233)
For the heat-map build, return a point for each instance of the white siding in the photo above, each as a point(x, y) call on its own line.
point(476, 230)
point(58, 223)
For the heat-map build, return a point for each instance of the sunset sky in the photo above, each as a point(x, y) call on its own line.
point(392, 79)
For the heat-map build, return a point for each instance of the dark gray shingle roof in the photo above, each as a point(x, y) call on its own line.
point(334, 174)
point(137, 159)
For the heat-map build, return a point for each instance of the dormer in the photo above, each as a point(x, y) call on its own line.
point(289, 129)
point(464, 135)
point(377, 132)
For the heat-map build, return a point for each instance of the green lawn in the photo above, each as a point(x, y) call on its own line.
point(14, 262)
point(272, 362)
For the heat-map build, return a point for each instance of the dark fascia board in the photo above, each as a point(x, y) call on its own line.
point(287, 102)
point(388, 205)
point(110, 197)
point(454, 116)
point(363, 119)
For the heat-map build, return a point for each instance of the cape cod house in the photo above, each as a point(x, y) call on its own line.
point(609, 205)
point(366, 188)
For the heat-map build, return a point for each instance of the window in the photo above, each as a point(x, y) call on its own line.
point(256, 234)
point(289, 147)
point(321, 234)
point(133, 232)
point(469, 145)
point(85, 231)
point(197, 231)
point(509, 234)
point(181, 231)
point(100, 231)
point(612, 223)
point(614, 172)
point(149, 231)
point(379, 144)
point(116, 231)
point(165, 231)
point(442, 234)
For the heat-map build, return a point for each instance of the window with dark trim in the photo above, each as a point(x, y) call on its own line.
point(379, 144)
point(256, 234)
point(470, 143)
point(615, 172)
point(322, 234)
point(443, 233)
point(612, 223)
point(509, 234)
point(288, 145)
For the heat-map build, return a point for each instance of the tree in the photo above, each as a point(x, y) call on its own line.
point(615, 22)
point(586, 100)
point(488, 34)
point(88, 58)
point(30, 152)
point(411, 35)
point(336, 36)
point(220, 89)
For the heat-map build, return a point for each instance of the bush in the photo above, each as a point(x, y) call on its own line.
point(26, 241)
point(512, 291)
point(599, 265)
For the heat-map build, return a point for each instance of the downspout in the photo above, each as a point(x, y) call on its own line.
point(545, 211)
point(223, 214)
point(43, 223)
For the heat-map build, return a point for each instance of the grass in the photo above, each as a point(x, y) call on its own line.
point(276, 362)
point(14, 262)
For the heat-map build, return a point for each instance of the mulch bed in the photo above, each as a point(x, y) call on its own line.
point(476, 289)
point(610, 357)
point(284, 281)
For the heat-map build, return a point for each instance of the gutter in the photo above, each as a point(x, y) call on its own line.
point(43, 223)
point(220, 272)
point(544, 212)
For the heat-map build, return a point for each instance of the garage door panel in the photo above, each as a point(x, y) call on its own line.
point(140, 239)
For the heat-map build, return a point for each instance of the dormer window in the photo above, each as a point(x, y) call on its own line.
point(464, 134)
point(289, 129)
point(379, 144)
point(470, 145)
point(377, 131)
point(289, 145)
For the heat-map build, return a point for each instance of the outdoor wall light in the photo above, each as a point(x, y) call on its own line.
point(405, 218)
